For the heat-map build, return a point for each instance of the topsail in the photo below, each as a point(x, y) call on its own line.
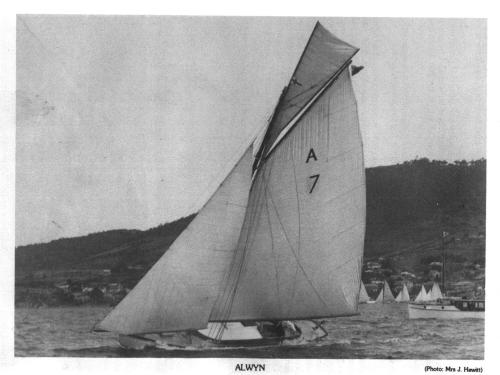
point(324, 56)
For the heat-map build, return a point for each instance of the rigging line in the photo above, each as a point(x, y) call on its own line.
point(236, 204)
point(294, 120)
point(294, 284)
point(274, 254)
point(226, 282)
point(265, 181)
point(346, 262)
point(226, 291)
point(295, 255)
point(348, 151)
point(338, 234)
point(230, 270)
point(328, 129)
point(357, 187)
point(301, 93)
point(222, 290)
point(227, 296)
point(52, 55)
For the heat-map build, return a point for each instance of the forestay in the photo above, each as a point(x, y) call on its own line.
point(300, 251)
point(180, 289)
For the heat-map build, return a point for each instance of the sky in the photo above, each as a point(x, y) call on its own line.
point(130, 122)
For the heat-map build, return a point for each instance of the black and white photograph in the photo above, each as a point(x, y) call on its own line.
point(250, 187)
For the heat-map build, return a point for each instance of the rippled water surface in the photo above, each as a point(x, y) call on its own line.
point(380, 331)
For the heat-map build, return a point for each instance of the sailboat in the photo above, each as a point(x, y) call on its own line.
point(280, 242)
point(435, 292)
point(422, 296)
point(385, 295)
point(363, 295)
point(437, 306)
point(403, 295)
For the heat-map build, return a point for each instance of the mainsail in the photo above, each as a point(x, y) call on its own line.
point(363, 295)
point(300, 250)
point(385, 294)
point(403, 295)
point(180, 289)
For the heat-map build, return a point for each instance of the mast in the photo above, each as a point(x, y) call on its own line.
point(443, 254)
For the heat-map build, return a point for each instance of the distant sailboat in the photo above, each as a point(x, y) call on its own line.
point(427, 294)
point(422, 295)
point(280, 242)
point(435, 293)
point(385, 294)
point(363, 295)
point(437, 306)
point(403, 295)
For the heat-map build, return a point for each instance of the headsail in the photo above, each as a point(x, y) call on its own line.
point(435, 292)
point(427, 294)
point(180, 289)
point(324, 56)
point(385, 294)
point(403, 295)
point(363, 295)
point(422, 295)
point(300, 251)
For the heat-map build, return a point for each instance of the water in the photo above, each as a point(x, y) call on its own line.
point(381, 331)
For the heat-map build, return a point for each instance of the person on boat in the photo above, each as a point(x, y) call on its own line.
point(271, 328)
point(288, 328)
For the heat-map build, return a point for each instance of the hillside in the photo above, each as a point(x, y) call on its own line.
point(115, 249)
point(409, 205)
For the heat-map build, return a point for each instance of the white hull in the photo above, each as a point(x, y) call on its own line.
point(234, 335)
point(438, 311)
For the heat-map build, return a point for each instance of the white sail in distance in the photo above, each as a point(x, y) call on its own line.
point(180, 289)
point(403, 295)
point(427, 296)
point(435, 292)
point(301, 246)
point(385, 294)
point(363, 295)
point(422, 295)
